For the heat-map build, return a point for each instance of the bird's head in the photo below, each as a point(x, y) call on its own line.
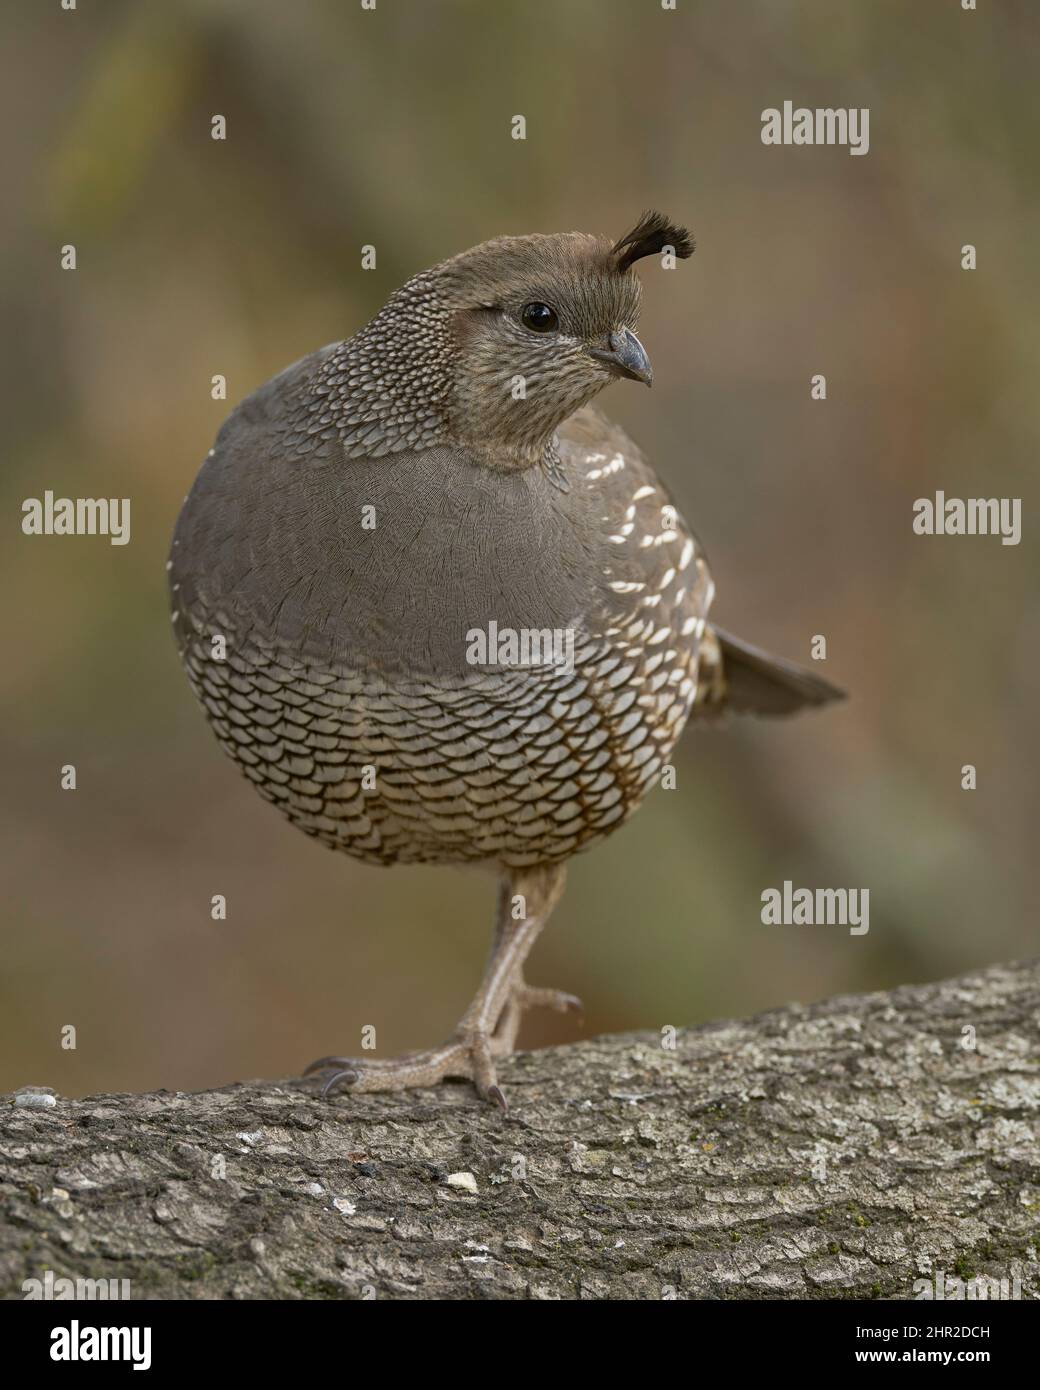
point(496, 347)
point(541, 324)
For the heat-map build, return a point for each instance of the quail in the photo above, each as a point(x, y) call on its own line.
point(439, 609)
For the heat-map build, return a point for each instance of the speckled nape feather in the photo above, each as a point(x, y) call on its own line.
point(385, 390)
point(374, 521)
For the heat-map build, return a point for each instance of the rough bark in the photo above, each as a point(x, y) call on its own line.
point(836, 1151)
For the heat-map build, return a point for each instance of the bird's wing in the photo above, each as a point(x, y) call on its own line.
point(653, 548)
point(652, 567)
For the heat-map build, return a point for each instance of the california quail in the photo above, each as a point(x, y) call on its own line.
point(438, 609)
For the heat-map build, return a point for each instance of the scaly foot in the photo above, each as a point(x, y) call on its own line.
point(469, 1054)
point(489, 1026)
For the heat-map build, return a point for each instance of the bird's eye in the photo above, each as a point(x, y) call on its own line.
point(539, 318)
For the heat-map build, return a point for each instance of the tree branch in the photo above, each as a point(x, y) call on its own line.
point(841, 1150)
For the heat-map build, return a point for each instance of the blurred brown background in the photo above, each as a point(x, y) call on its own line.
point(393, 128)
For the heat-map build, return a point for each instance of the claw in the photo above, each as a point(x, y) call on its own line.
point(495, 1093)
point(348, 1075)
point(323, 1064)
point(573, 1005)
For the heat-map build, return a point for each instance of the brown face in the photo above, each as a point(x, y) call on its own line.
point(540, 344)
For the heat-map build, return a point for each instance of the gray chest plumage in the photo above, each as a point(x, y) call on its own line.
point(328, 612)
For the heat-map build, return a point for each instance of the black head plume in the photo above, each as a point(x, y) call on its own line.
point(652, 233)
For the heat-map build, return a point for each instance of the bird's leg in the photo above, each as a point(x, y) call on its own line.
point(523, 995)
point(488, 1028)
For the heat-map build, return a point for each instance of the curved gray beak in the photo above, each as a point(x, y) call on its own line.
point(626, 356)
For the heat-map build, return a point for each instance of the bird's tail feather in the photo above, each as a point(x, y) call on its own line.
point(737, 676)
